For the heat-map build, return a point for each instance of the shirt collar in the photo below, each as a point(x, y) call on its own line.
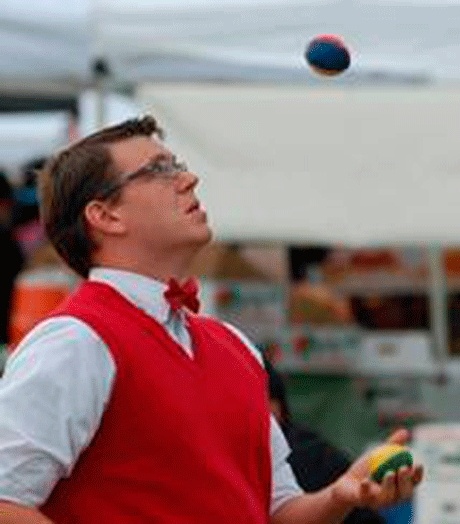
point(144, 292)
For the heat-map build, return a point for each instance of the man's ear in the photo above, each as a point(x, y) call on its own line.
point(104, 217)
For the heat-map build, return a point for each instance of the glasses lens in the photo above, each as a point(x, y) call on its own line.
point(165, 169)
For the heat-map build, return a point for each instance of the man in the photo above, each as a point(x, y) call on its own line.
point(125, 405)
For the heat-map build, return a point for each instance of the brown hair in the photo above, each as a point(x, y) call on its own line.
point(72, 178)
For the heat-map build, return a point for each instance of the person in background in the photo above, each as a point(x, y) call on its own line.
point(311, 299)
point(127, 405)
point(44, 280)
point(28, 228)
point(12, 259)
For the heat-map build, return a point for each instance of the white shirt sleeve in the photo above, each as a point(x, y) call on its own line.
point(285, 485)
point(52, 396)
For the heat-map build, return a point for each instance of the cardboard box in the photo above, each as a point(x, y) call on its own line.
point(225, 262)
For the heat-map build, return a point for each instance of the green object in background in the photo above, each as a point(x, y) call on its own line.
point(333, 406)
point(3, 357)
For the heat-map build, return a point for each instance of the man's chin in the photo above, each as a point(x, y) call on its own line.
point(201, 238)
point(205, 233)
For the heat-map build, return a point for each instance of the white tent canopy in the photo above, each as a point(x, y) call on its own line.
point(54, 41)
point(262, 39)
point(46, 42)
point(345, 165)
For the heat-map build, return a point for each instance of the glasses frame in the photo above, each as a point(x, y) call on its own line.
point(160, 168)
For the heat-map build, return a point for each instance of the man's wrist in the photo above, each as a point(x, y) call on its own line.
point(341, 495)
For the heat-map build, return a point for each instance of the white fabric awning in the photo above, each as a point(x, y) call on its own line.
point(293, 164)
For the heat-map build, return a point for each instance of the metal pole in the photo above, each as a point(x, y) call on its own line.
point(100, 102)
point(101, 74)
point(100, 66)
point(438, 307)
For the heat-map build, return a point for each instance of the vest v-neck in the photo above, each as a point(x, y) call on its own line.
point(172, 345)
point(156, 329)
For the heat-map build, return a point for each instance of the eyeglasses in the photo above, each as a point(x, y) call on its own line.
point(156, 169)
point(165, 169)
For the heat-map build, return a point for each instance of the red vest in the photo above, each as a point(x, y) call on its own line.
point(182, 441)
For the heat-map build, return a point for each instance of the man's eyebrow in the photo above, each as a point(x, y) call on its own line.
point(159, 157)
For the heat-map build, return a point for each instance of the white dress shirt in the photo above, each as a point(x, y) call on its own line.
point(57, 384)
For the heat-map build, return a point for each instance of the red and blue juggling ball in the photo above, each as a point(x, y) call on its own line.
point(327, 55)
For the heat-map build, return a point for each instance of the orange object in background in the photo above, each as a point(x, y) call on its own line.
point(375, 259)
point(317, 304)
point(452, 261)
point(35, 294)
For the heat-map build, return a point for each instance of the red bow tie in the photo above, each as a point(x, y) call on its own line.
point(183, 295)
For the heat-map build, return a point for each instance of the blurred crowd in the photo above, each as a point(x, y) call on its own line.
point(26, 253)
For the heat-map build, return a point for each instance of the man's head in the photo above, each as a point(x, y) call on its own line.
point(119, 198)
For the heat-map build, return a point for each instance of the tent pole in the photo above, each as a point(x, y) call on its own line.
point(101, 73)
point(100, 64)
point(100, 103)
point(438, 307)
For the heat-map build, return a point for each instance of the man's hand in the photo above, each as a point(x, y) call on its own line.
point(357, 489)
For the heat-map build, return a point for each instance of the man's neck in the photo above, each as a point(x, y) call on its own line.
point(161, 269)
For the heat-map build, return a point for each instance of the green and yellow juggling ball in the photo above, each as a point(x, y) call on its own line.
point(389, 457)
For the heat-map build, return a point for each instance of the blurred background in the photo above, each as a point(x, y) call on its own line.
point(334, 199)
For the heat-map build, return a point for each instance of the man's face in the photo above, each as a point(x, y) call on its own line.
point(159, 212)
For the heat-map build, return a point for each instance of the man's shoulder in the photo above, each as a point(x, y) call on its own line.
point(60, 330)
point(239, 334)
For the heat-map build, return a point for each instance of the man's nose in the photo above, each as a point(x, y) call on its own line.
point(186, 180)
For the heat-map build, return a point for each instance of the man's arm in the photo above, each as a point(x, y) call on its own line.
point(319, 507)
point(331, 505)
point(11, 513)
point(44, 424)
point(353, 489)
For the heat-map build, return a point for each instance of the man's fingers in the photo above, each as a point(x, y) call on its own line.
point(389, 488)
point(400, 436)
point(367, 495)
point(417, 474)
point(377, 495)
point(405, 483)
point(365, 488)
